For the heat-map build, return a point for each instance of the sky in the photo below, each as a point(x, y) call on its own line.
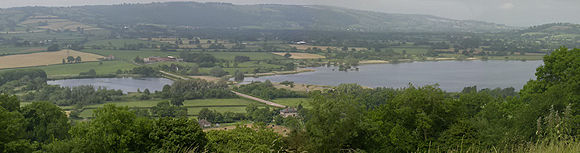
point(509, 12)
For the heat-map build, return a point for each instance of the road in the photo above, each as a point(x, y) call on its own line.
point(259, 100)
point(237, 93)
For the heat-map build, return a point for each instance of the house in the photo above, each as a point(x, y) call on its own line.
point(289, 112)
point(154, 59)
point(301, 43)
point(108, 58)
point(204, 123)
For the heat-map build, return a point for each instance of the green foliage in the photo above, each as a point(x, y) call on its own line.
point(203, 59)
point(9, 103)
point(164, 109)
point(45, 122)
point(11, 75)
point(266, 90)
point(145, 71)
point(53, 47)
point(218, 72)
point(238, 76)
point(196, 89)
point(262, 115)
point(11, 128)
point(177, 135)
point(245, 139)
point(66, 96)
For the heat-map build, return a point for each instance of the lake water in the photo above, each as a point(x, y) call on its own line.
point(452, 76)
point(124, 84)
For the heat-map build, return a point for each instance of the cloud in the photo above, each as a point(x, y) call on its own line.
point(507, 6)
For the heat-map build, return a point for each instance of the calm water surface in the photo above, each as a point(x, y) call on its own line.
point(450, 75)
point(124, 84)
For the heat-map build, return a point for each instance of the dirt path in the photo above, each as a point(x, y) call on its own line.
point(237, 93)
point(259, 100)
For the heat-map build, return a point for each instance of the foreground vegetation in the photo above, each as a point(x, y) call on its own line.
point(542, 117)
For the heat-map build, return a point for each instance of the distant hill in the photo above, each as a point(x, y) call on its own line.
point(554, 28)
point(225, 15)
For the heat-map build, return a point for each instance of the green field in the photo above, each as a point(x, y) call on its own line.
point(131, 54)
point(237, 105)
point(20, 50)
point(119, 43)
point(72, 70)
point(108, 67)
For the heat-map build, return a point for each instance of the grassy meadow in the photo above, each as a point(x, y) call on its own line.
point(236, 105)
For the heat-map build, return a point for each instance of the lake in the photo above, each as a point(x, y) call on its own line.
point(124, 84)
point(452, 76)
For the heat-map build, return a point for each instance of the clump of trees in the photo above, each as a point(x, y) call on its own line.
point(202, 59)
point(13, 81)
point(266, 90)
point(66, 96)
point(217, 117)
point(182, 90)
point(71, 59)
point(217, 72)
point(144, 71)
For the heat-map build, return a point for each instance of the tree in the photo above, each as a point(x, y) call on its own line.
point(177, 100)
point(92, 72)
point(165, 109)
point(238, 76)
point(177, 135)
point(218, 72)
point(11, 128)
point(78, 59)
point(70, 59)
point(287, 55)
point(289, 66)
point(112, 130)
point(10, 103)
point(241, 59)
point(138, 60)
point(244, 139)
point(45, 122)
point(53, 47)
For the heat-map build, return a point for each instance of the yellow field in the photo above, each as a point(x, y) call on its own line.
point(44, 58)
point(302, 55)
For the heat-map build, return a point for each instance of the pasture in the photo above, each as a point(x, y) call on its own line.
point(71, 70)
point(131, 54)
point(237, 105)
point(7, 50)
point(301, 55)
point(43, 58)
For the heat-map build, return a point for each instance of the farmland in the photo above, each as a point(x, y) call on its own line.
point(42, 59)
point(237, 105)
point(302, 55)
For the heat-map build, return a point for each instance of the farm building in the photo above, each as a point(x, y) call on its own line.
point(108, 58)
point(204, 123)
point(301, 43)
point(162, 59)
point(289, 112)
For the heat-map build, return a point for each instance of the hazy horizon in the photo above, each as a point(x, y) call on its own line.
point(509, 12)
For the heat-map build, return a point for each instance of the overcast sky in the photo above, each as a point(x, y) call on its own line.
point(510, 12)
